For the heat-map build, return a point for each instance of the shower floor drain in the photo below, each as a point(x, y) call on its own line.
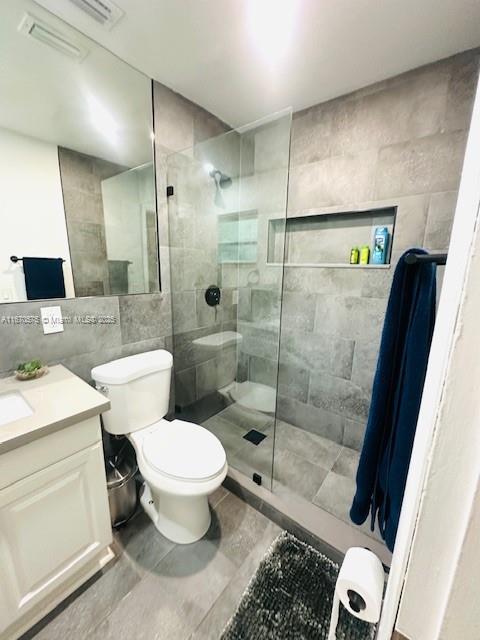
point(254, 436)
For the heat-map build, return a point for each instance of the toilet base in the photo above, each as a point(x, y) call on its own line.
point(181, 519)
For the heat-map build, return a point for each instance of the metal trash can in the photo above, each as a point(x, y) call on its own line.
point(121, 485)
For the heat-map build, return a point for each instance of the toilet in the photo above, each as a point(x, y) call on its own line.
point(181, 462)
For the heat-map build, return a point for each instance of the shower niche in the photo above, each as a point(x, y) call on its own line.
point(326, 239)
point(238, 237)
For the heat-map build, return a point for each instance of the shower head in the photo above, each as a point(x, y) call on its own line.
point(221, 179)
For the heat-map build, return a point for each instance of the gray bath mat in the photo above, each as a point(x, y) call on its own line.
point(290, 598)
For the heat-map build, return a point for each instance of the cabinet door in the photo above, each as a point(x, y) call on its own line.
point(51, 523)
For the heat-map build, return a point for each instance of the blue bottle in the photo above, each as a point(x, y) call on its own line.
point(380, 245)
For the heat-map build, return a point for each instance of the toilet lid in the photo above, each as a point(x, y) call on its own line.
point(184, 450)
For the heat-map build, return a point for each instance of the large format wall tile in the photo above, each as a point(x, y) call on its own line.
point(83, 364)
point(339, 396)
point(298, 310)
point(340, 179)
point(410, 221)
point(461, 90)
point(318, 352)
point(306, 416)
point(353, 433)
point(425, 165)
point(293, 381)
point(144, 316)
point(350, 317)
point(440, 219)
point(365, 362)
point(22, 342)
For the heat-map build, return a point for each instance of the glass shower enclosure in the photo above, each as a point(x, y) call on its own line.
point(226, 265)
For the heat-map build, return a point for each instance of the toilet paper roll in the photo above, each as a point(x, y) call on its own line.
point(359, 587)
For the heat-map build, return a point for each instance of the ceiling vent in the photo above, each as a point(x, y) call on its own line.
point(46, 34)
point(104, 11)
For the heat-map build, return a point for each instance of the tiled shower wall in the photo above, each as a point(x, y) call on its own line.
point(82, 176)
point(397, 143)
point(142, 321)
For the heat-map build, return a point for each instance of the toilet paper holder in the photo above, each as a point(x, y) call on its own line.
point(355, 600)
point(359, 588)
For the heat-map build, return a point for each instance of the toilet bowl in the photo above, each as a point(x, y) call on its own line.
point(181, 462)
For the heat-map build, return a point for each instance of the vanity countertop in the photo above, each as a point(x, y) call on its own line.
point(58, 399)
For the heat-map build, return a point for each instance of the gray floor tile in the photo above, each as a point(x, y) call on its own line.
point(171, 601)
point(230, 435)
point(94, 604)
point(216, 496)
point(223, 609)
point(149, 612)
point(141, 543)
point(316, 449)
point(336, 495)
point(236, 528)
point(255, 458)
point(293, 475)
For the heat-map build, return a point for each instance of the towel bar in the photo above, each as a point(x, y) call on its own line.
point(17, 259)
point(416, 258)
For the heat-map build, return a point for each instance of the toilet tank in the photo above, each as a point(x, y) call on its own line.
point(138, 388)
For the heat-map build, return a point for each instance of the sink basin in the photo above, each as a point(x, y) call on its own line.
point(13, 406)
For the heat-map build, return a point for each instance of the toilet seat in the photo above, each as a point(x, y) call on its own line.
point(183, 451)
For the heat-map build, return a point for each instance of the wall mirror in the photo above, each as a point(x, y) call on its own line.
point(77, 183)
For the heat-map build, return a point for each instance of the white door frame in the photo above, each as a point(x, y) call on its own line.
point(459, 255)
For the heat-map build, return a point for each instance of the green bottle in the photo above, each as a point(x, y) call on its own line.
point(364, 254)
point(354, 255)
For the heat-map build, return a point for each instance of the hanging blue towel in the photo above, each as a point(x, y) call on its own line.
point(397, 391)
point(44, 278)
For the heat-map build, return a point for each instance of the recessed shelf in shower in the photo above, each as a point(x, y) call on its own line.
point(326, 239)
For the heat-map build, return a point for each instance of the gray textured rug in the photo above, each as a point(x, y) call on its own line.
point(290, 598)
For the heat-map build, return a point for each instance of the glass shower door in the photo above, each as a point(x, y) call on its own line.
point(227, 232)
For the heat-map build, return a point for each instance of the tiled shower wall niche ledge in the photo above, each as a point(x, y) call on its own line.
point(339, 265)
point(326, 239)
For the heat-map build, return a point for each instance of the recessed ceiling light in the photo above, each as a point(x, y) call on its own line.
point(46, 34)
point(271, 24)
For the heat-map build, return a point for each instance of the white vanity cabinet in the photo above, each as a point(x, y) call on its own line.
point(54, 522)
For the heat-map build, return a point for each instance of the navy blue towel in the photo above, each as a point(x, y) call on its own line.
point(397, 391)
point(44, 278)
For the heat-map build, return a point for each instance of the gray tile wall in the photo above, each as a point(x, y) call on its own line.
point(399, 143)
point(82, 196)
point(143, 321)
point(188, 249)
point(140, 323)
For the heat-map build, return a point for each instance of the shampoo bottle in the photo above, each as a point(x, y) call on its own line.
point(380, 245)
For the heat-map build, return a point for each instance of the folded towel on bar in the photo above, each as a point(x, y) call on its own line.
point(397, 392)
point(44, 278)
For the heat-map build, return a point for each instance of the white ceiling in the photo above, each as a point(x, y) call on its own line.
point(99, 106)
point(244, 59)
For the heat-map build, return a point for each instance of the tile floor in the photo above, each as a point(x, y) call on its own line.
point(306, 465)
point(157, 590)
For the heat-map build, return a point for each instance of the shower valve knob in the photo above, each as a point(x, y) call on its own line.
point(212, 296)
